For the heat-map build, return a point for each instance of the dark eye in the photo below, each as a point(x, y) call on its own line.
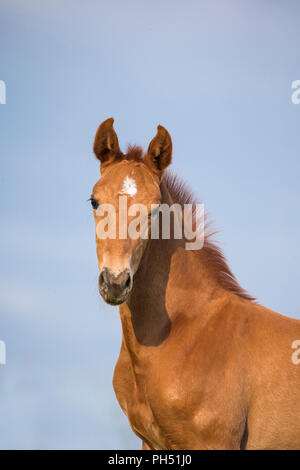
point(94, 202)
point(155, 211)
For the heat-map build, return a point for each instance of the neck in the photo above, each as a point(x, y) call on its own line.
point(171, 284)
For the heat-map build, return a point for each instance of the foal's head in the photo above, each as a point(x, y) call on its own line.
point(131, 179)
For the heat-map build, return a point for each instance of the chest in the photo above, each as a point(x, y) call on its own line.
point(160, 402)
point(170, 407)
point(140, 401)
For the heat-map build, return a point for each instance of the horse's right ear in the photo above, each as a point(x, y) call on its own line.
point(106, 145)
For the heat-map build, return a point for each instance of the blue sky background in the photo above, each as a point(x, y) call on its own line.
point(218, 76)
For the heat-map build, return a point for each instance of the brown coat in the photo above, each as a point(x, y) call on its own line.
point(202, 366)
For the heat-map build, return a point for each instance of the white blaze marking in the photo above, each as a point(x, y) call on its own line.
point(129, 187)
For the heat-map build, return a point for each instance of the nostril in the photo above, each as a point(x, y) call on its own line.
point(101, 279)
point(127, 283)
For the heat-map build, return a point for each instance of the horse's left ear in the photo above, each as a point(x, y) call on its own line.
point(159, 153)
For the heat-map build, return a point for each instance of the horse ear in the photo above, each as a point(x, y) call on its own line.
point(106, 144)
point(159, 153)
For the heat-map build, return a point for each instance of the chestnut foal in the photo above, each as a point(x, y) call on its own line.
point(201, 365)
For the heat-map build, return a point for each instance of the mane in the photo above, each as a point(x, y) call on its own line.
point(181, 194)
point(134, 152)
